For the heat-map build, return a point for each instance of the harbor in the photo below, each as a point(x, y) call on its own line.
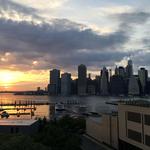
point(42, 105)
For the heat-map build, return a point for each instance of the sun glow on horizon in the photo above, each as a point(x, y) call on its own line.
point(7, 78)
point(18, 80)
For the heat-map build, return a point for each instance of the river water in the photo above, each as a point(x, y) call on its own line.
point(93, 104)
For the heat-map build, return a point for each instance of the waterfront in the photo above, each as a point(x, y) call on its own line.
point(93, 103)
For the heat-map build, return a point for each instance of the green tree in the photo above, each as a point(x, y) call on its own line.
point(21, 142)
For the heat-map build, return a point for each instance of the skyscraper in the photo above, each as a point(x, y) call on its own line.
point(117, 85)
point(129, 69)
point(54, 86)
point(98, 84)
point(82, 80)
point(104, 82)
point(91, 86)
point(66, 84)
point(133, 87)
point(74, 87)
point(143, 77)
point(116, 71)
point(121, 71)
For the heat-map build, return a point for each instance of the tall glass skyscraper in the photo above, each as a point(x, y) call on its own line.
point(129, 69)
point(104, 81)
point(54, 85)
point(143, 77)
point(66, 84)
point(82, 80)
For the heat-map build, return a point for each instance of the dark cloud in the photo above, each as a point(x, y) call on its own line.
point(137, 17)
point(129, 21)
point(60, 42)
point(53, 43)
point(142, 59)
point(9, 6)
point(46, 37)
point(146, 41)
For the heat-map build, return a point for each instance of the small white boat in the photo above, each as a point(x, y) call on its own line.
point(82, 108)
point(59, 107)
point(4, 114)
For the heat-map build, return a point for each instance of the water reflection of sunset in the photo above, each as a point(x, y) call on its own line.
point(23, 112)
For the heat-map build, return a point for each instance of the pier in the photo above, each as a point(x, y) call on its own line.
point(20, 107)
point(25, 103)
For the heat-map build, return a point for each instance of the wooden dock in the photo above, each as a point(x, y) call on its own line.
point(19, 114)
point(34, 103)
point(18, 109)
point(26, 103)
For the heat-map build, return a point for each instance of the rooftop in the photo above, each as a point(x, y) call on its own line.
point(140, 103)
point(96, 119)
point(113, 113)
point(11, 122)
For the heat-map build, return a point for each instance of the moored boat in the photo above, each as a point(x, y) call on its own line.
point(59, 107)
point(4, 114)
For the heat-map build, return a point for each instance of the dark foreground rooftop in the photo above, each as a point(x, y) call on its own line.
point(11, 122)
point(140, 103)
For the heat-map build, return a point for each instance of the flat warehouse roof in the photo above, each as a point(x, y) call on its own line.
point(96, 119)
point(11, 122)
point(141, 103)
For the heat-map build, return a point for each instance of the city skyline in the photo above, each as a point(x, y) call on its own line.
point(110, 72)
point(36, 37)
point(119, 82)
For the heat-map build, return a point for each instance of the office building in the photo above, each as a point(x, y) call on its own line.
point(116, 71)
point(82, 80)
point(54, 86)
point(133, 86)
point(129, 129)
point(134, 125)
point(143, 78)
point(97, 81)
point(148, 86)
point(104, 82)
point(66, 84)
point(91, 89)
point(104, 129)
point(129, 69)
point(121, 71)
point(117, 85)
point(90, 86)
point(74, 87)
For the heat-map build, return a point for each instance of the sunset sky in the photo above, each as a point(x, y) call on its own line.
point(38, 35)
